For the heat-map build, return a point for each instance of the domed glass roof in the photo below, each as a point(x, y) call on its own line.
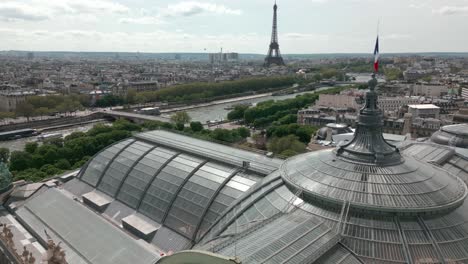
point(372, 174)
point(452, 135)
point(375, 203)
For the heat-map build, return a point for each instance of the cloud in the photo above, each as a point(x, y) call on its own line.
point(146, 20)
point(190, 8)
point(81, 6)
point(396, 36)
point(303, 36)
point(36, 10)
point(451, 10)
point(155, 41)
point(418, 5)
point(12, 11)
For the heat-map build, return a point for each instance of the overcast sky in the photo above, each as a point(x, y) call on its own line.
point(305, 26)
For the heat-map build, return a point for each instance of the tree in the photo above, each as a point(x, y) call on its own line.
point(123, 124)
point(42, 111)
point(180, 126)
point(50, 170)
point(63, 164)
point(181, 117)
point(287, 146)
point(5, 115)
point(131, 96)
point(25, 109)
point(304, 133)
point(54, 141)
point(4, 155)
point(328, 73)
point(243, 132)
point(31, 147)
point(237, 112)
point(75, 135)
point(30, 175)
point(317, 77)
point(20, 160)
point(203, 91)
point(392, 74)
point(196, 126)
point(222, 135)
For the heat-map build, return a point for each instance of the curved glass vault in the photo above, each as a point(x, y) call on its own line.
point(366, 201)
point(207, 204)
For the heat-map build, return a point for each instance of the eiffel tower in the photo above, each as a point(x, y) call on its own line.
point(274, 55)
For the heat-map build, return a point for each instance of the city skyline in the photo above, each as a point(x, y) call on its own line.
point(305, 26)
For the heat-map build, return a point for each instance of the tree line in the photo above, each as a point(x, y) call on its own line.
point(184, 93)
point(202, 91)
point(48, 105)
point(55, 156)
point(278, 119)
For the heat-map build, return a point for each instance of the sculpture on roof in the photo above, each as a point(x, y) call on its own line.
point(6, 237)
point(55, 254)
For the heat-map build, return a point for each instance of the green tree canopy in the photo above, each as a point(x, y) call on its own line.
point(20, 160)
point(181, 118)
point(31, 147)
point(196, 126)
point(25, 109)
point(237, 112)
point(287, 146)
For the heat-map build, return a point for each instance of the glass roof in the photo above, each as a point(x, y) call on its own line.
point(411, 187)
point(259, 163)
point(185, 193)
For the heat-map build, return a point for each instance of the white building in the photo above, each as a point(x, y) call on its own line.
point(393, 104)
point(430, 90)
point(387, 104)
point(424, 111)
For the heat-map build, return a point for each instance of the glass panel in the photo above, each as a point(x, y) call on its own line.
point(164, 187)
point(97, 165)
point(195, 196)
point(119, 167)
point(140, 176)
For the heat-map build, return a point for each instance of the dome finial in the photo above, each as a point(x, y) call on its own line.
point(372, 83)
point(368, 145)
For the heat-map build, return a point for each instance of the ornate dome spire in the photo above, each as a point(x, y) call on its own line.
point(368, 145)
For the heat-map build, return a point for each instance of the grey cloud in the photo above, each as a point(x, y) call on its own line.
point(17, 11)
point(451, 10)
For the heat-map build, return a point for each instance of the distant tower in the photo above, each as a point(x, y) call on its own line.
point(274, 55)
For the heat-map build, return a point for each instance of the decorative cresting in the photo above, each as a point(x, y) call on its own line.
point(368, 145)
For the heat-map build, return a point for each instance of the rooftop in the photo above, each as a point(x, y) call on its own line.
point(424, 106)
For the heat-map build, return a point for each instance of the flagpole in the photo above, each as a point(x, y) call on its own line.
point(376, 51)
point(378, 26)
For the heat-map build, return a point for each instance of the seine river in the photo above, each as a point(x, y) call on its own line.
point(219, 111)
point(202, 114)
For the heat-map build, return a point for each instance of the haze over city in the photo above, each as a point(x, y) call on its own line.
point(306, 26)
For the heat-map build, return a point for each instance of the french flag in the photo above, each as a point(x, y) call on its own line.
point(376, 55)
